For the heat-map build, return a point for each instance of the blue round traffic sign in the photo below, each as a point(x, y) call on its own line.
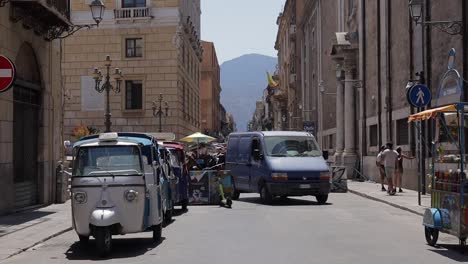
point(419, 95)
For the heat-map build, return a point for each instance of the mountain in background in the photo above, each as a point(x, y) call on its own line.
point(243, 80)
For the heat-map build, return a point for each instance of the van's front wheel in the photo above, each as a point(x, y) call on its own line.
point(235, 193)
point(265, 194)
point(157, 233)
point(322, 199)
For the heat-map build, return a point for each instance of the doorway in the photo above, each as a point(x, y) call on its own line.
point(27, 96)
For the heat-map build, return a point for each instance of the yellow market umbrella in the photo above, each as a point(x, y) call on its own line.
point(198, 138)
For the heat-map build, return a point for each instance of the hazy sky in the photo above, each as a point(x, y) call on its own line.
point(239, 27)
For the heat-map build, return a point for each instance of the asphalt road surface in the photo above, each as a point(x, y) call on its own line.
point(349, 229)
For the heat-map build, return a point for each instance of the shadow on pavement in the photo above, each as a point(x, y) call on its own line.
point(282, 202)
point(165, 224)
point(453, 252)
point(121, 248)
point(179, 212)
point(15, 222)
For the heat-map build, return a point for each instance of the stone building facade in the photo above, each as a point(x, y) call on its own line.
point(210, 91)
point(156, 44)
point(31, 111)
point(356, 58)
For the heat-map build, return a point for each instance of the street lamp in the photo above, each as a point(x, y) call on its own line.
point(97, 10)
point(416, 8)
point(107, 86)
point(158, 110)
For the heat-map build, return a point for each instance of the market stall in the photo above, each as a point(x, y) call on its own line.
point(448, 171)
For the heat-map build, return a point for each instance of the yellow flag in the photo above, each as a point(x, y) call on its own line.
point(271, 82)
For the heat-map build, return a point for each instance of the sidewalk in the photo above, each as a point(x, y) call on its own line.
point(408, 200)
point(21, 231)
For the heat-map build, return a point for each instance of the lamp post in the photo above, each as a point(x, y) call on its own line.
point(416, 8)
point(107, 87)
point(158, 110)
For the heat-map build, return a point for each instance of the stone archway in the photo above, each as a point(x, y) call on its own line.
point(27, 96)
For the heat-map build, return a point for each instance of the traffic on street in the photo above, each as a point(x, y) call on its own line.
point(348, 229)
point(221, 131)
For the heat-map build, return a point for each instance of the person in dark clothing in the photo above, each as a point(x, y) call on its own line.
point(399, 168)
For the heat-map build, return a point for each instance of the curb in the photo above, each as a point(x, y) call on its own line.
point(385, 202)
point(39, 242)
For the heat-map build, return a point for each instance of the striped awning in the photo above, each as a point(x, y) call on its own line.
point(431, 113)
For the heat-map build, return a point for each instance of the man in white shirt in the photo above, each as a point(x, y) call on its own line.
point(380, 167)
point(389, 159)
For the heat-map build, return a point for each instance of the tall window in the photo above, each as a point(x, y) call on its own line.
point(350, 7)
point(373, 135)
point(402, 132)
point(134, 47)
point(133, 95)
point(133, 3)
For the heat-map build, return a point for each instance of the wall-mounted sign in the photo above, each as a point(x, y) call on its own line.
point(450, 89)
point(7, 73)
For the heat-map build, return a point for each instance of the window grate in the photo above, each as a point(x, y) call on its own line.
point(373, 135)
point(402, 132)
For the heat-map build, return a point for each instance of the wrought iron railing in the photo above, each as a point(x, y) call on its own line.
point(63, 6)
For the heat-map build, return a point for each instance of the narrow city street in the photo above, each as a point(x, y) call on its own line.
point(350, 229)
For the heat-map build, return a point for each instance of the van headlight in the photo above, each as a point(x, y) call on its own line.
point(80, 197)
point(279, 176)
point(131, 195)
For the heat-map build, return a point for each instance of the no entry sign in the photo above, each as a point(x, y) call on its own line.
point(7, 73)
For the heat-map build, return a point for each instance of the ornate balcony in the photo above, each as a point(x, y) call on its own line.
point(138, 13)
point(54, 15)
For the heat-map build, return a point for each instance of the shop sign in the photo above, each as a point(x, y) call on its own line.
point(450, 89)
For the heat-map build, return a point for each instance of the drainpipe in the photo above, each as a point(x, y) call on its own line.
point(410, 77)
point(379, 74)
point(389, 71)
point(362, 77)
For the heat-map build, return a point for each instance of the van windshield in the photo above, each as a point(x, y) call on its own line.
point(291, 146)
point(108, 161)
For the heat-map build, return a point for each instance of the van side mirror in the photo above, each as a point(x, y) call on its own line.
point(257, 154)
point(325, 154)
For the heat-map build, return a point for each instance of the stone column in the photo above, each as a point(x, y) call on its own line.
point(339, 112)
point(349, 154)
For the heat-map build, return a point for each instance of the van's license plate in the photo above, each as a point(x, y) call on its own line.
point(304, 186)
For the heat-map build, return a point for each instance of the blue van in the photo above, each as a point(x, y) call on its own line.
point(277, 163)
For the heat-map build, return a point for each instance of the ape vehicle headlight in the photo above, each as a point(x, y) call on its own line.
point(131, 195)
point(80, 197)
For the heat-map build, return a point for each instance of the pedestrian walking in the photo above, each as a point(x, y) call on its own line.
point(389, 159)
point(399, 168)
point(380, 167)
